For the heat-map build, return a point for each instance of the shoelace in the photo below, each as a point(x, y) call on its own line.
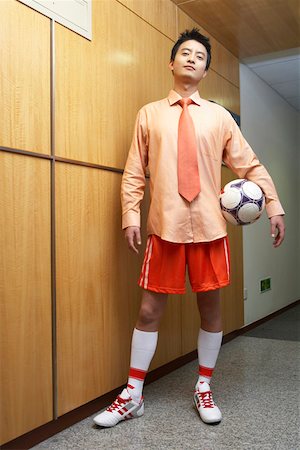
point(206, 399)
point(118, 403)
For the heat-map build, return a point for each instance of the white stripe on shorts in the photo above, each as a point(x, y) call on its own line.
point(144, 262)
point(226, 257)
point(147, 264)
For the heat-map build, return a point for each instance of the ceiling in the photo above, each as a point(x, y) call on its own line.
point(281, 71)
point(264, 34)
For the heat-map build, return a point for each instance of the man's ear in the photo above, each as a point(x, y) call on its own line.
point(171, 65)
point(204, 75)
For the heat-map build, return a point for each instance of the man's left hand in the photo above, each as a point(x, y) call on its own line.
point(277, 230)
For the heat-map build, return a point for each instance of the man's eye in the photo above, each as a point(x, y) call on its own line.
point(185, 53)
point(200, 57)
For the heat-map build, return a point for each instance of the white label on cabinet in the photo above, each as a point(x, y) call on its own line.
point(73, 14)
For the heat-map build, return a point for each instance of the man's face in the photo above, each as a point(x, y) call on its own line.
point(190, 62)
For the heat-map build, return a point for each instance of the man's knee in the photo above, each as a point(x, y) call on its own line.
point(148, 314)
point(209, 305)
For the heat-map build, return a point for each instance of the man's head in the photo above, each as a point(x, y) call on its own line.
point(192, 35)
point(190, 57)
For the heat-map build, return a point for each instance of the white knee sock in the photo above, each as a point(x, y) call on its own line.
point(143, 347)
point(209, 345)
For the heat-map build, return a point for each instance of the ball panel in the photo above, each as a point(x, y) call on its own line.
point(231, 198)
point(252, 190)
point(248, 213)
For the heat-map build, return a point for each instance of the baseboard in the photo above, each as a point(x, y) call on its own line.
point(28, 440)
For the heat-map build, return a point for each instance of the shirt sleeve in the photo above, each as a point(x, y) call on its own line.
point(134, 176)
point(240, 158)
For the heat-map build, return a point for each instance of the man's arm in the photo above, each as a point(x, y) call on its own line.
point(240, 158)
point(133, 183)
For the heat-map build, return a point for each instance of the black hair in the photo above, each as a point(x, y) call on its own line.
point(194, 35)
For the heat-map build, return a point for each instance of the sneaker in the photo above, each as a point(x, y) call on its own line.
point(121, 409)
point(208, 410)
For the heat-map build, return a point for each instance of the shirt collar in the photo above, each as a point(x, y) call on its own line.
point(173, 97)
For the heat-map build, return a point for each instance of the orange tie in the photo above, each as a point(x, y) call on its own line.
point(188, 173)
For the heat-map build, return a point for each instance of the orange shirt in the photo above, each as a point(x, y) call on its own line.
point(154, 145)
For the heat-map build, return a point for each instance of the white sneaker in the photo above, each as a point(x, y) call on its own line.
point(121, 409)
point(208, 410)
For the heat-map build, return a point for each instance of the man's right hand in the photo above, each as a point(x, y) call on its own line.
point(133, 238)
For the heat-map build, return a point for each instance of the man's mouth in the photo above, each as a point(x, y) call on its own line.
point(189, 67)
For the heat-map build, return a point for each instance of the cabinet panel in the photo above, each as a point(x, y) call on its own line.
point(24, 78)
point(102, 84)
point(159, 13)
point(25, 293)
point(97, 294)
point(216, 88)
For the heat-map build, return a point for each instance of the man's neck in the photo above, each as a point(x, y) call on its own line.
point(185, 90)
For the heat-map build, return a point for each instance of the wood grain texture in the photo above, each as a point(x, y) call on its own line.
point(102, 84)
point(25, 293)
point(223, 62)
point(24, 78)
point(248, 28)
point(161, 14)
point(216, 88)
point(97, 294)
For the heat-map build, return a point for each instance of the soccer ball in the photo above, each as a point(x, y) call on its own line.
point(242, 202)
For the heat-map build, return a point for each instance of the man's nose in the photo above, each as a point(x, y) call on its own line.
point(191, 59)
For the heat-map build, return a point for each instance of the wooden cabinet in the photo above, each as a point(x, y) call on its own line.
point(25, 293)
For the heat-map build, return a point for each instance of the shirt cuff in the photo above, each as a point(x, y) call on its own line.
point(274, 208)
point(131, 219)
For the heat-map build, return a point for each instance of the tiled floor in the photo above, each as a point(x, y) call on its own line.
point(255, 384)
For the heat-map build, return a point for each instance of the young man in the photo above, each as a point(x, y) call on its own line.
point(181, 135)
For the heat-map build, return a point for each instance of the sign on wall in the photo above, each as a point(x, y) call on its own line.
point(73, 14)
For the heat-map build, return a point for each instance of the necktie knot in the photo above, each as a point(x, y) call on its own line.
point(184, 102)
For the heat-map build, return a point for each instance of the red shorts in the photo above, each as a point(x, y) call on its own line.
point(164, 265)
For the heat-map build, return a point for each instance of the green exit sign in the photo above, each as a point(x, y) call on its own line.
point(265, 284)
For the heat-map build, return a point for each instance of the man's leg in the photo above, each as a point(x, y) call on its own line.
point(209, 344)
point(129, 403)
point(209, 305)
point(144, 340)
point(210, 333)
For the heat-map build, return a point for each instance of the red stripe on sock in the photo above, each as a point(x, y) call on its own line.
point(205, 371)
point(137, 373)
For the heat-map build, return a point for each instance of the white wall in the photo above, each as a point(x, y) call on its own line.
point(271, 127)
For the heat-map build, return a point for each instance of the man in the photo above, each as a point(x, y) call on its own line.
point(183, 134)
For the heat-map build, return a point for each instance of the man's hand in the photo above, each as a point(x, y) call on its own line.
point(277, 224)
point(133, 237)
